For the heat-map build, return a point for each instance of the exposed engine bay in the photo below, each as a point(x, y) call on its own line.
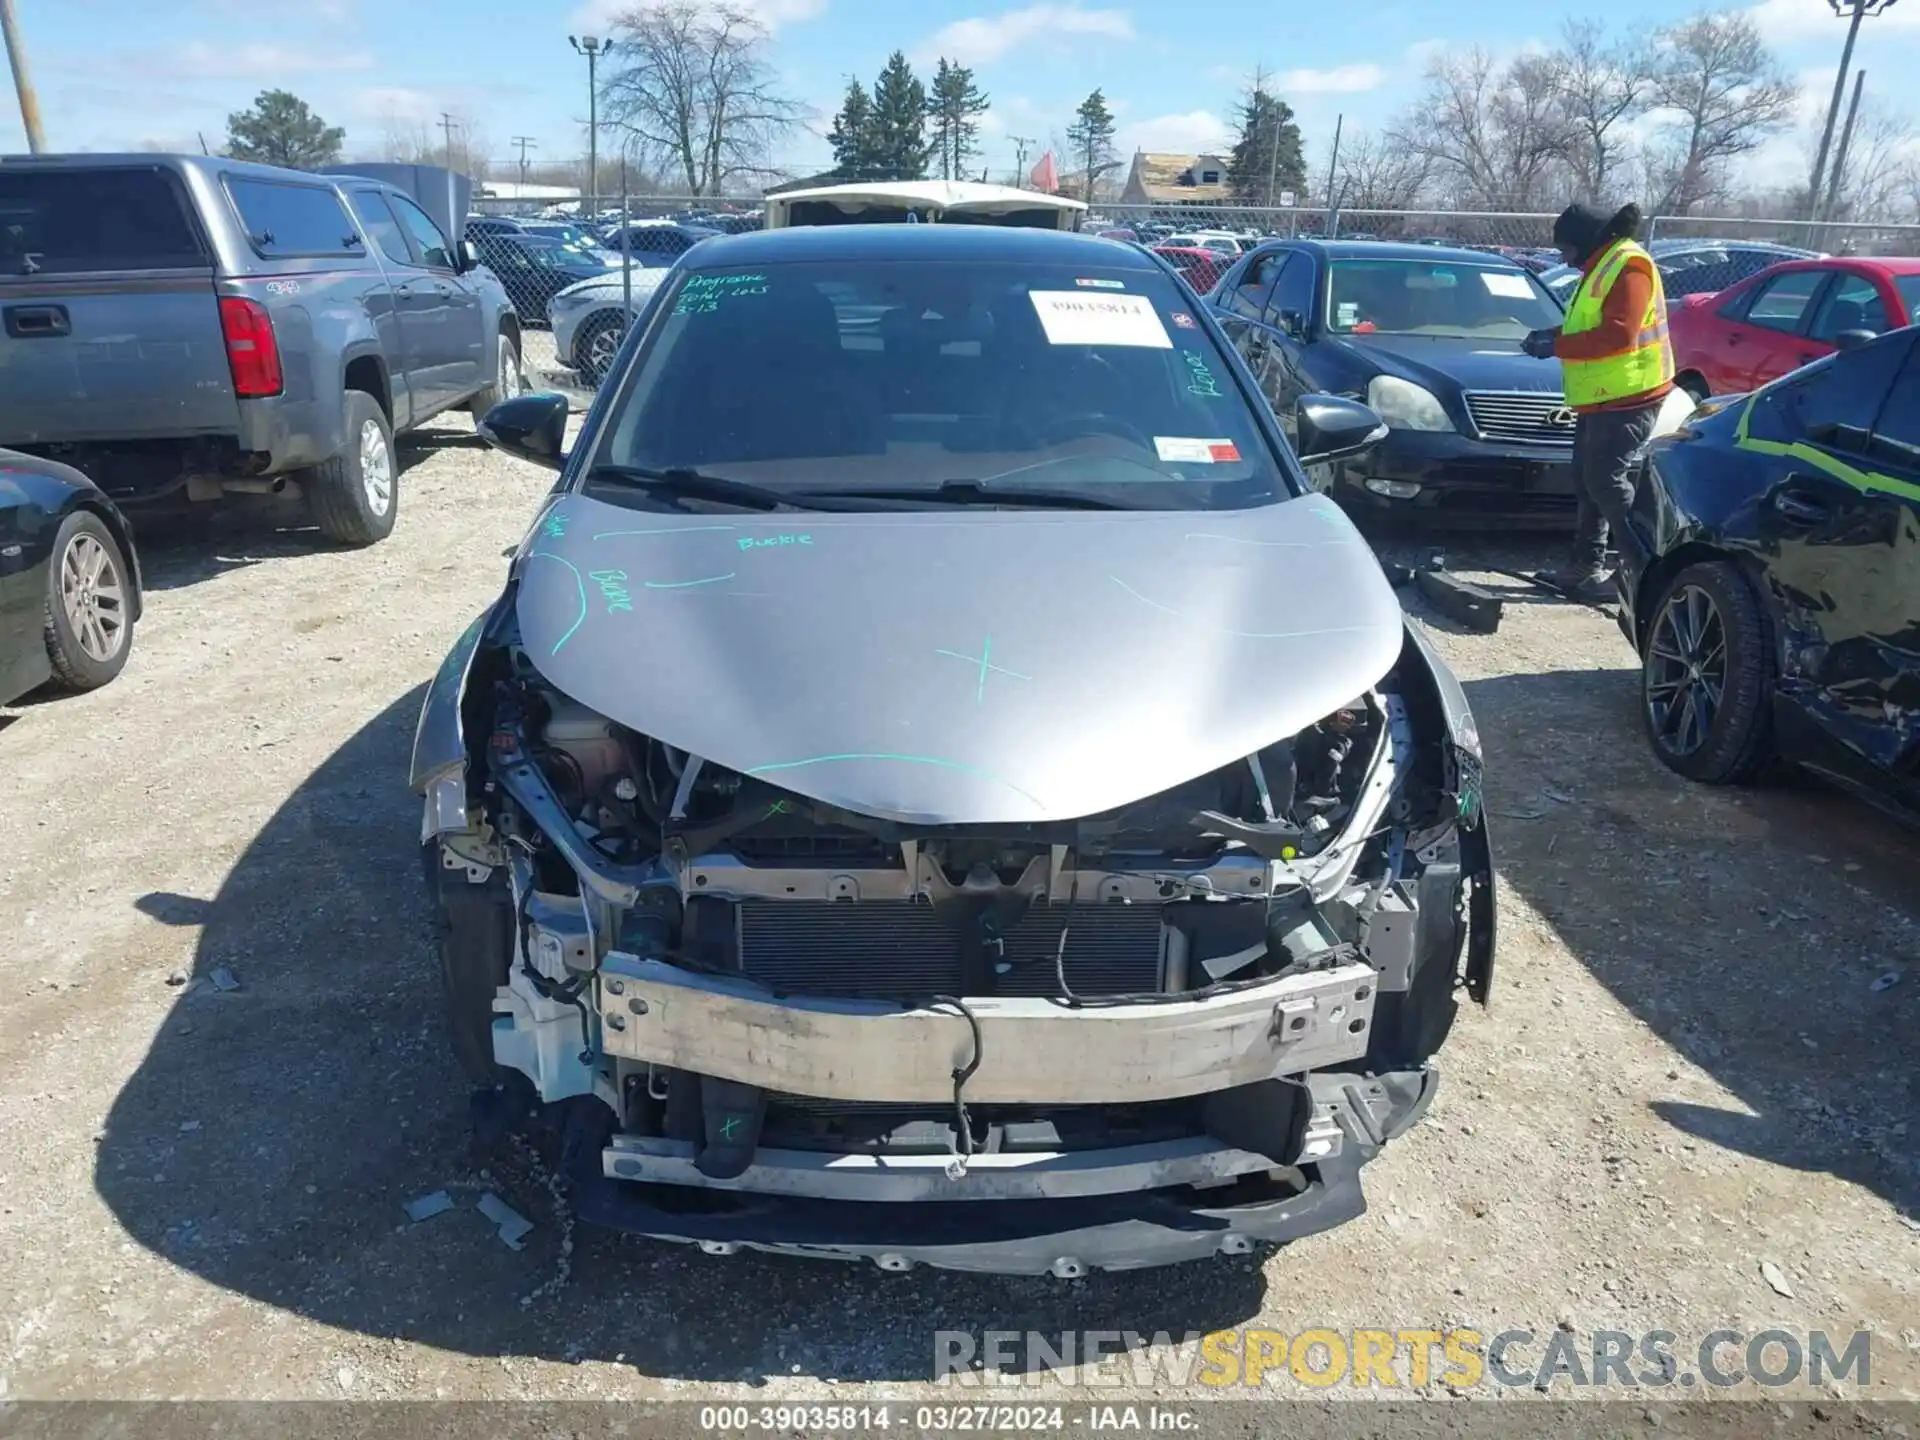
point(1168, 1030)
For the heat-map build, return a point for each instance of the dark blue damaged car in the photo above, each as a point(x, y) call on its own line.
point(938, 788)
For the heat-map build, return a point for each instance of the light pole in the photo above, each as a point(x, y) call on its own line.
point(1853, 11)
point(593, 48)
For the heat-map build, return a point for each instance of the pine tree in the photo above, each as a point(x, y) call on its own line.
point(852, 135)
point(1090, 138)
point(281, 130)
point(954, 104)
point(1267, 157)
point(898, 123)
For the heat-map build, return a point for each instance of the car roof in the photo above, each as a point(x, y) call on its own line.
point(896, 241)
point(1397, 250)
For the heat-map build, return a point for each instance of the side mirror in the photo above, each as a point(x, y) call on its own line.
point(1853, 339)
point(1326, 427)
point(529, 427)
point(469, 256)
point(1294, 323)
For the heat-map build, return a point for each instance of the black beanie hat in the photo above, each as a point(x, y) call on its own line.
point(1580, 227)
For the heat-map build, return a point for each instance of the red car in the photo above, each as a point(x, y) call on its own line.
point(1739, 338)
point(1200, 268)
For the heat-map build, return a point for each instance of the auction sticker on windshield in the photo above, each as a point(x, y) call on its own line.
point(1181, 449)
point(1513, 287)
point(1071, 317)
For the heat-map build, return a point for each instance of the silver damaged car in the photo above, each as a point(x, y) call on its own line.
point(938, 787)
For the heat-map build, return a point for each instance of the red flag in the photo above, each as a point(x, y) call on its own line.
point(1044, 175)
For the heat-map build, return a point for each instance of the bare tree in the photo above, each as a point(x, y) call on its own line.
point(1493, 136)
point(1376, 172)
point(1882, 166)
point(1600, 87)
point(1728, 94)
point(695, 94)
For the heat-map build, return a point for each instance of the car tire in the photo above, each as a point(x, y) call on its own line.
point(355, 495)
point(89, 615)
point(475, 925)
point(509, 379)
point(1707, 676)
point(595, 344)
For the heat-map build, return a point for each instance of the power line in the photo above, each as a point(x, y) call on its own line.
point(1020, 144)
point(526, 143)
point(447, 124)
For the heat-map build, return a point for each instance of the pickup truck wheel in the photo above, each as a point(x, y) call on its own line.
point(89, 622)
point(509, 380)
point(354, 495)
point(595, 344)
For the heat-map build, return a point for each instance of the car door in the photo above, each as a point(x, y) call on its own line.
point(1768, 338)
point(1287, 323)
point(1838, 526)
point(1240, 299)
point(405, 358)
point(1852, 302)
point(444, 308)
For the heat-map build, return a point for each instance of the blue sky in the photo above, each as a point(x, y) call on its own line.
point(126, 73)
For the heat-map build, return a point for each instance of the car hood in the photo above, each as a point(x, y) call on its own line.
point(644, 282)
point(1441, 363)
point(960, 666)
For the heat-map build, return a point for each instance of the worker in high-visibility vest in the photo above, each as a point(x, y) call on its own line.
point(1616, 366)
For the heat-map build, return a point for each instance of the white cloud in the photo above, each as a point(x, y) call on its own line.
point(1340, 80)
point(1797, 22)
point(599, 15)
point(982, 39)
point(396, 102)
point(266, 63)
point(1196, 132)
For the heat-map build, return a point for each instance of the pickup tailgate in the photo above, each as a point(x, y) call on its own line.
point(109, 321)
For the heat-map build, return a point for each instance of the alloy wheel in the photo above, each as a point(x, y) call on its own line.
point(376, 468)
point(93, 597)
point(1686, 674)
point(603, 346)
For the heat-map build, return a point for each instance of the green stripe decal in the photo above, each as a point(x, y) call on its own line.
point(1867, 481)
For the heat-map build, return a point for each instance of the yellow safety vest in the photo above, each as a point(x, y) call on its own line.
point(1647, 362)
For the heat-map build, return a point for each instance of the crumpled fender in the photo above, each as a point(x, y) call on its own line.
point(439, 743)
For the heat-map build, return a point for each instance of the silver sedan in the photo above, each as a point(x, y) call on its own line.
point(589, 322)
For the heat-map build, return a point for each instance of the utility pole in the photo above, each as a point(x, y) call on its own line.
point(1020, 145)
point(22, 84)
point(593, 49)
point(447, 125)
point(1853, 11)
point(1846, 143)
point(1333, 166)
point(525, 143)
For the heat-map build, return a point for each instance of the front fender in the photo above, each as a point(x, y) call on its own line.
point(439, 739)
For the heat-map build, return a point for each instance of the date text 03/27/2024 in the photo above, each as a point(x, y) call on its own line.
point(943, 1419)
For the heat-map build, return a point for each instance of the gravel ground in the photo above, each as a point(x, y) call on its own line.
point(1688, 1071)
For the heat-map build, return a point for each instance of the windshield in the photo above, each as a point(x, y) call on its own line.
point(863, 375)
point(1909, 288)
point(1454, 298)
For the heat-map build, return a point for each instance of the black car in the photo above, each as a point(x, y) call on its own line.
point(535, 268)
point(69, 579)
point(655, 243)
point(1430, 338)
point(1770, 578)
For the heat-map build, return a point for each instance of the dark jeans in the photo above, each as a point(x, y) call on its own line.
point(1607, 447)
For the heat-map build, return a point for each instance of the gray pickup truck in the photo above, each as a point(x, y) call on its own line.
point(190, 327)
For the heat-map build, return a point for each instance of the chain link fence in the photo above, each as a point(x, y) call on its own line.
point(578, 271)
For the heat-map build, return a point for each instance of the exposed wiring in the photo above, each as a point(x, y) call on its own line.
point(963, 1073)
point(1060, 966)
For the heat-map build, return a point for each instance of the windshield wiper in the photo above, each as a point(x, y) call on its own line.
point(972, 492)
point(682, 482)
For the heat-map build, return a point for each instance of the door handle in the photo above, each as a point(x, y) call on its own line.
point(403, 288)
point(37, 322)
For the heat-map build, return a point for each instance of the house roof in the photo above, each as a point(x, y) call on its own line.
point(1177, 177)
